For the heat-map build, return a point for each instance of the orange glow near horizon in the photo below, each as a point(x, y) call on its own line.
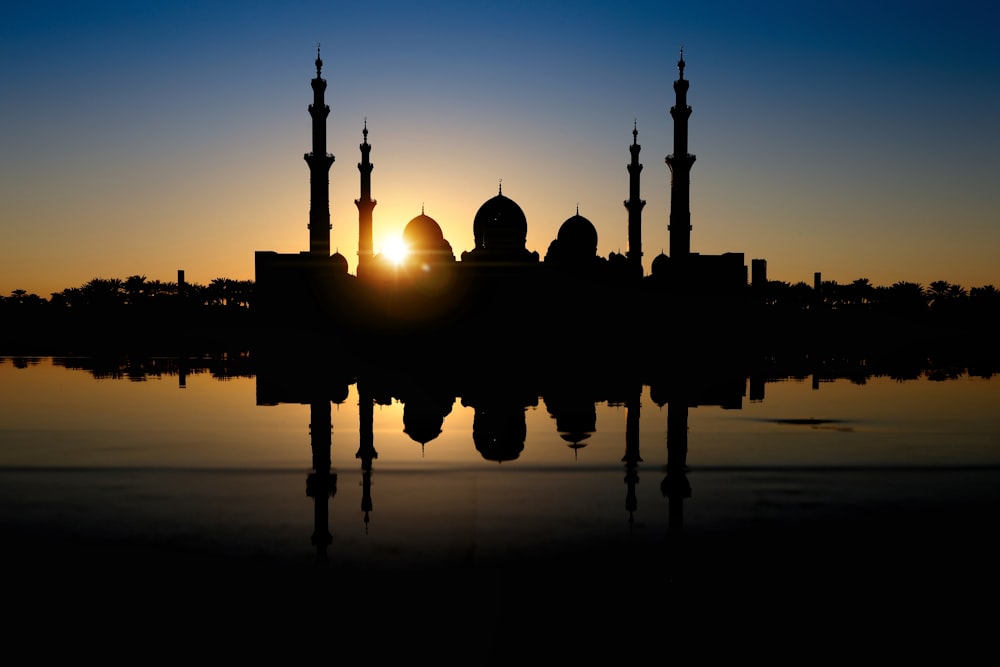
point(445, 124)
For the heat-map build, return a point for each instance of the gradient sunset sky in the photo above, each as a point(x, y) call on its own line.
point(858, 139)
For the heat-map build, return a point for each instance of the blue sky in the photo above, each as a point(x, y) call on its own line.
point(855, 139)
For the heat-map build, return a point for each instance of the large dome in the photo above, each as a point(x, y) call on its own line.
point(500, 225)
point(575, 244)
point(578, 237)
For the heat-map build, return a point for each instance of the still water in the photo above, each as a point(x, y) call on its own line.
point(774, 488)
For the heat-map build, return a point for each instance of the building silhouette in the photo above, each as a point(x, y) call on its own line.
point(499, 284)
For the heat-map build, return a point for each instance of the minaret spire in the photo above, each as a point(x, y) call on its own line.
point(365, 205)
point(680, 169)
point(634, 205)
point(319, 162)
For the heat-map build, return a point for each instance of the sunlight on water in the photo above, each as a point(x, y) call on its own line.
point(54, 416)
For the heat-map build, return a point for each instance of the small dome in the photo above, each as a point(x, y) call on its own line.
point(422, 428)
point(339, 262)
point(500, 225)
point(660, 265)
point(423, 233)
point(425, 241)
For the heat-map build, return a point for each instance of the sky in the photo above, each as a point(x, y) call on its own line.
point(854, 139)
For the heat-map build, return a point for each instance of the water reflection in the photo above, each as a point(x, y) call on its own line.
point(499, 425)
point(722, 479)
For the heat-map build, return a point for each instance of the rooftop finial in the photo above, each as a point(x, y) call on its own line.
point(501, 187)
point(680, 63)
point(578, 209)
point(365, 131)
point(319, 61)
point(635, 130)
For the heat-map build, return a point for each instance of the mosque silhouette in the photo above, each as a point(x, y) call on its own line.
point(499, 286)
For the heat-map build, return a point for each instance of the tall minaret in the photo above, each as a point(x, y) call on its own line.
point(365, 205)
point(634, 205)
point(680, 169)
point(319, 162)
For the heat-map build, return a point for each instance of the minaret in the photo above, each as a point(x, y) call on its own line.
point(319, 162)
point(634, 205)
point(680, 169)
point(365, 205)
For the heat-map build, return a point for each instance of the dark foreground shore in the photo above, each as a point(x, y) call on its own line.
point(862, 570)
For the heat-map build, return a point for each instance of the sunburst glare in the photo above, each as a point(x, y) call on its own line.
point(395, 251)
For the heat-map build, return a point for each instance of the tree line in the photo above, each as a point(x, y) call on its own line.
point(942, 317)
point(134, 311)
point(136, 292)
point(940, 297)
point(220, 314)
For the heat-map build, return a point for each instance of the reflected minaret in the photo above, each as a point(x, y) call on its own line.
point(321, 484)
point(632, 458)
point(366, 448)
point(676, 486)
point(365, 205)
point(634, 205)
point(680, 170)
point(319, 162)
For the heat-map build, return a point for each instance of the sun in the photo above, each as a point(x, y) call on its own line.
point(395, 250)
